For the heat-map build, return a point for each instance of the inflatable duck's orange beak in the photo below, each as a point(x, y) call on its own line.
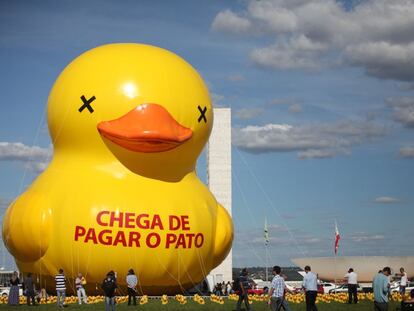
point(146, 128)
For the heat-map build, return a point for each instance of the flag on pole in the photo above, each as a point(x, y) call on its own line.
point(337, 238)
point(266, 233)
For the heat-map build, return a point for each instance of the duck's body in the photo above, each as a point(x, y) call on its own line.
point(111, 205)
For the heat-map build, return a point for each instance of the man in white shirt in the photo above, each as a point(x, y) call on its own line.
point(403, 281)
point(310, 284)
point(352, 279)
point(132, 281)
point(278, 291)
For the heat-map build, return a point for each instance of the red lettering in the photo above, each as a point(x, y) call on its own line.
point(143, 221)
point(134, 237)
point(199, 240)
point(129, 220)
point(119, 219)
point(91, 235)
point(105, 239)
point(152, 244)
point(185, 223)
point(156, 222)
point(114, 238)
point(120, 238)
point(79, 231)
point(144, 224)
point(190, 239)
point(174, 222)
point(99, 218)
point(180, 241)
point(171, 238)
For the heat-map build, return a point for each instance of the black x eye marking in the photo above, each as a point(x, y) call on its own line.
point(87, 103)
point(202, 114)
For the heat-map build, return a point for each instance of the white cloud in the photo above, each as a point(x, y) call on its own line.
point(315, 154)
point(273, 18)
point(315, 140)
point(227, 21)
point(297, 52)
point(403, 108)
point(21, 152)
point(364, 237)
point(383, 59)
point(406, 152)
point(386, 200)
point(374, 35)
point(248, 113)
point(34, 158)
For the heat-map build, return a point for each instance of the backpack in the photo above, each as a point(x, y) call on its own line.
point(109, 286)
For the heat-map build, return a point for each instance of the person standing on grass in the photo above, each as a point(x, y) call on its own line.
point(381, 287)
point(60, 281)
point(278, 291)
point(352, 279)
point(13, 298)
point(243, 287)
point(132, 282)
point(403, 281)
point(310, 284)
point(29, 288)
point(80, 282)
point(229, 289)
point(109, 287)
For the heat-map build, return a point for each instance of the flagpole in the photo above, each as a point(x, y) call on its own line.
point(266, 257)
point(335, 272)
point(266, 245)
point(335, 252)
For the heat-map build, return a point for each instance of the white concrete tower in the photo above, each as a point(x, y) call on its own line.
point(219, 177)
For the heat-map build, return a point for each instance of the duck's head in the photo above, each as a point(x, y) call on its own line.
point(142, 104)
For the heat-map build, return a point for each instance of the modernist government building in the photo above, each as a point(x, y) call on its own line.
point(219, 178)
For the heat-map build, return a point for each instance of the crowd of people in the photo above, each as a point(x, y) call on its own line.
point(278, 289)
point(277, 292)
point(109, 287)
point(223, 288)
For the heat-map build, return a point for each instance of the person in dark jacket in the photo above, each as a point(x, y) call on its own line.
point(109, 287)
point(29, 289)
point(244, 285)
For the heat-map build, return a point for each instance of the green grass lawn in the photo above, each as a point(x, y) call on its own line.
point(173, 305)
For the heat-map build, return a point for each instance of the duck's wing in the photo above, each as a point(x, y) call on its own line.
point(224, 235)
point(26, 227)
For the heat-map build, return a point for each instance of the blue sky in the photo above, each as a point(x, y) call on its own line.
point(322, 98)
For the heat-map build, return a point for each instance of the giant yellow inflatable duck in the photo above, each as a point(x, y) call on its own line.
point(128, 122)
